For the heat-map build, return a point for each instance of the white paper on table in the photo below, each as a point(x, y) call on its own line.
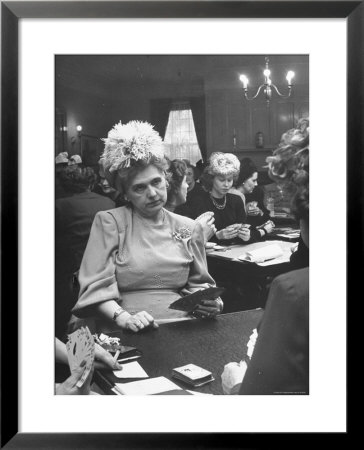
point(289, 235)
point(175, 319)
point(131, 370)
point(197, 393)
point(262, 254)
point(146, 387)
point(282, 259)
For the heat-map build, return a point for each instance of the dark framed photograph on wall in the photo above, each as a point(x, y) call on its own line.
point(229, 77)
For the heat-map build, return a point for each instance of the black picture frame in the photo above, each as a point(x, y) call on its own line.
point(11, 13)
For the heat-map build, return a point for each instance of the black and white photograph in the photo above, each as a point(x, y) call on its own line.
point(182, 224)
point(158, 237)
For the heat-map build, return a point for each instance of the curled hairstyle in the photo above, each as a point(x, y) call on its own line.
point(77, 178)
point(194, 168)
point(175, 175)
point(247, 170)
point(289, 164)
point(220, 164)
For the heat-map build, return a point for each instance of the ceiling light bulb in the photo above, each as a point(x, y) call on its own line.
point(244, 80)
point(289, 76)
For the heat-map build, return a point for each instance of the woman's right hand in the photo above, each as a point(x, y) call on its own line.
point(136, 322)
point(232, 377)
point(68, 387)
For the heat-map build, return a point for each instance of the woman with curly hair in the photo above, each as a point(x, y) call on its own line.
point(177, 184)
point(177, 194)
point(229, 211)
point(141, 257)
point(194, 190)
point(289, 166)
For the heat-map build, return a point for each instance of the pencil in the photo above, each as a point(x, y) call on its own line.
point(116, 355)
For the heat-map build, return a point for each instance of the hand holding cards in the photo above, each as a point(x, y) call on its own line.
point(190, 302)
point(267, 226)
point(81, 349)
point(230, 232)
point(244, 232)
point(253, 209)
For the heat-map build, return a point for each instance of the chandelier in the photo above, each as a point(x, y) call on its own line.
point(268, 86)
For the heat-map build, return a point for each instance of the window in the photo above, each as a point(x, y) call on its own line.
point(181, 139)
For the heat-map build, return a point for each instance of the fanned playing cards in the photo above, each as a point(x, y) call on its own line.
point(81, 347)
point(189, 302)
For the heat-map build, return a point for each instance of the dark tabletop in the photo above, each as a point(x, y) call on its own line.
point(209, 344)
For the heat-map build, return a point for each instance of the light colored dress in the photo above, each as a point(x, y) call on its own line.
point(142, 266)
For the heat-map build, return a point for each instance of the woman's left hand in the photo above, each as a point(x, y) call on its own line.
point(244, 233)
point(269, 226)
point(209, 308)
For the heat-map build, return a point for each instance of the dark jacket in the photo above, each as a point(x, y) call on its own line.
point(234, 212)
point(280, 362)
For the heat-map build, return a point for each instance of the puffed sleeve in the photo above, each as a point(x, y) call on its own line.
point(199, 277)
point(97, 272)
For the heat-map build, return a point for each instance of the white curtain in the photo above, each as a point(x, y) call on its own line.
point(180, 140)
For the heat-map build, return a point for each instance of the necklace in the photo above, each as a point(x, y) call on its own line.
point(217, 205)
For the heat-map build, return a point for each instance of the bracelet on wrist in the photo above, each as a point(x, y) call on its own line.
point(117, 313)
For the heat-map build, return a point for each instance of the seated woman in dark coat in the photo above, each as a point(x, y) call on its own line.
point(229, 212)
point(252, 195)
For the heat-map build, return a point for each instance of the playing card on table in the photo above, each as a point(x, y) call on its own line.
point(81, 347)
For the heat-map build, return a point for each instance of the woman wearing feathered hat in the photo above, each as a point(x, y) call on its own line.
point(229, 211)
point(141, 257)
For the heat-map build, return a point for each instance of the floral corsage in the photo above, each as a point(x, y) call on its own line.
point(182, 233)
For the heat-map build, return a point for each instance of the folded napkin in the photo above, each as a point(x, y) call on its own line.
point(262, 254)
